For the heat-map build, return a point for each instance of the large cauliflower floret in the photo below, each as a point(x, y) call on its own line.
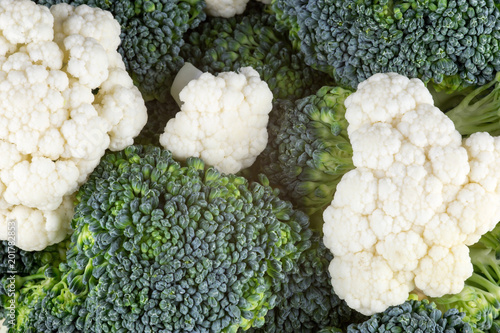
point(64, 99)
point(418, 197)
point(223, 120)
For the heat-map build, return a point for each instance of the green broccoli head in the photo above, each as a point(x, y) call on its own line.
point(413, 316)
point(308, 149)
point(221, 45)
point(151, 37)
point(452, 44)
point(307, 301)
point(162, 247)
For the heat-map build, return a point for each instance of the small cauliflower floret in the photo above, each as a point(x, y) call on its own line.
point(117, 102)
point(225, 8)
point(38, 227)
point(23, 22)
point(223, 119)
point(418, 197)
point(87, 60)
point(54, 127)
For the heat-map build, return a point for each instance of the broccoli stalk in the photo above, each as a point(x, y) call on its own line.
point(479, 111)
point(187, 73)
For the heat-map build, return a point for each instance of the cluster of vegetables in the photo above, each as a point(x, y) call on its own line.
point(239, 166)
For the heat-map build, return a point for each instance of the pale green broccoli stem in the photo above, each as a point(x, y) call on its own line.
point(485, 263)
point(479, 111)
point(186, 74)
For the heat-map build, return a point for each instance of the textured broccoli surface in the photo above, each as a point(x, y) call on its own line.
point(151, 37)
point(30, 271)
point(452, 44)
point(20, 262)
point(308, 149)
point(159, 113)
point(221, 45)
point(480, 298)
point(44, 302)
point(164, 247)
point(413, 316)
point(307, 301)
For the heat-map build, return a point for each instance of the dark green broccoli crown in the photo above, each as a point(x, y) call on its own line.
point(161, 247)
point(307, 301)
point(413, 316)
point(221, 45)
point(159, 113)
point(452, 43)
point(151, 37)
point(308, 149)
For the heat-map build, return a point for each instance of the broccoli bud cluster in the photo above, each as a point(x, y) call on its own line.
point(162, 247)
point(453, 44)
point(222, 45)
point(308, 150)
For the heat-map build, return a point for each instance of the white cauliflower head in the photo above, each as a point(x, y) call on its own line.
point(223, 120)
point(402, 219)
point(64, 99)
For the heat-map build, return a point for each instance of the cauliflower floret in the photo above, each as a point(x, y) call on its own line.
point(223, 120)
point(418, 197)
point(38, 227)
point(54, 127)
point(87, 60)
point(225, 8)
point(23, 22)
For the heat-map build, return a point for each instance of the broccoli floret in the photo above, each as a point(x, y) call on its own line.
point(308, 149)
point(413, 316)
point(480, 298)
point(452, 44)
point(307, 301)
point(44, 302)
point(159, 113)
point(20, 262)
point(479, 110)
point(151, 37)
point(18, 267)
point(164, 247)
point(221, 45)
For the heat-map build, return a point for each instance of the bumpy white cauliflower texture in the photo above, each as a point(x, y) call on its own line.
point(223, 120)
point(402, 219)
point(65, 98)
point(225, 8)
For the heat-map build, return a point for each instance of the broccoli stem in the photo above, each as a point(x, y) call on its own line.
point(479, 111)
point(187, 73)
point(21, 280)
